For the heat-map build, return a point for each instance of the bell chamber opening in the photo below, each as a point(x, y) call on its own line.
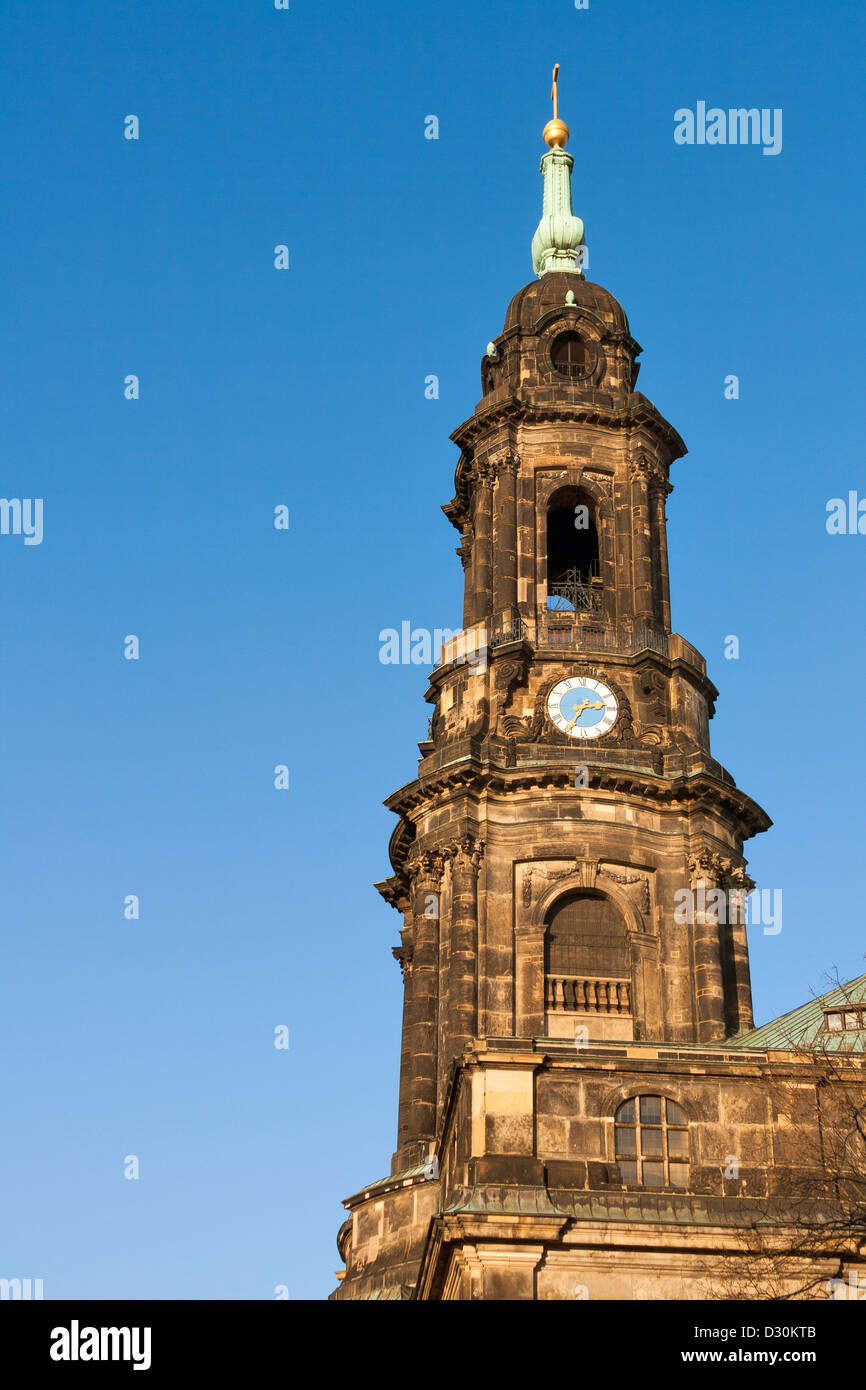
point(573, 581)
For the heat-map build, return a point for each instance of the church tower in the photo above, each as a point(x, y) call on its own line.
point(557, 848)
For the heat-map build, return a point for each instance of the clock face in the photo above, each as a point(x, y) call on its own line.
point(582, 708)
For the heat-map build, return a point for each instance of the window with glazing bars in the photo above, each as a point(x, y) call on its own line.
point(651, 1141)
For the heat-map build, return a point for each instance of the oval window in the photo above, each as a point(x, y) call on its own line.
point(570, 355)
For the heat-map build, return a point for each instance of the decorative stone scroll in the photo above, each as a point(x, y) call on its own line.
point(509, 675)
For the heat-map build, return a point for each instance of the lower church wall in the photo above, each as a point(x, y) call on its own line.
point(524, 1198)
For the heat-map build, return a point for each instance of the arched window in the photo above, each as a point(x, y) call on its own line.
point(586, 956)
point(572, 552)
point(586, 936)
point(651, 1142)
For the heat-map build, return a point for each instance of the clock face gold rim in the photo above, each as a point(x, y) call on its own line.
point(582, 707)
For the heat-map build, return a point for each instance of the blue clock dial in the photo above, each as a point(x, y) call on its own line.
point(582, 707)
point(579, 708)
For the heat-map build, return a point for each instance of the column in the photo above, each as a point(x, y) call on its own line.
point(659, 490)
point(505, 542)
point(706, 946)
point(462, 1000)
point(464, 550)
point(404, 955)
point(740, 885)
point(642, 587)
point(417, 1117)
point(527, 561)
point(482, 558)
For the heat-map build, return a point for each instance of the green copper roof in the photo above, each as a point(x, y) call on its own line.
point(559, 233)
point(506, 1199)
point(804, 1027)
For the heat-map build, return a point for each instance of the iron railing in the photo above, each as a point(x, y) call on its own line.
point(575, 592)
point(514, 631)
point(552, 632)
point(553, 629)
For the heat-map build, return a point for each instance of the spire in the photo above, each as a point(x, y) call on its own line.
point(559, 233)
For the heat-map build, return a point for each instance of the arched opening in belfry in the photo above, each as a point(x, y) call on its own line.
point(587, 964)
point(572, 552)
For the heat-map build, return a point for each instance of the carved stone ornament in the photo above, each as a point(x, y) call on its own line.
point(527, 887)
point(478, 727)
point(508, 462)
point(637, 885)
point(464, 549)
point(650, 471)
point(424, 868)
point(653, 735)
point(465, 853)
point(509, 675)
point(403, 956)
point(515, 728)
point(654, 690)
point(550, 870)
point(603, 481)
point(706, 866)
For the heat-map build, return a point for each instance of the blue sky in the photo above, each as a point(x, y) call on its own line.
point(306, 387)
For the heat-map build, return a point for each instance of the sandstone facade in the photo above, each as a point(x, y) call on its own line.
point(551, 986)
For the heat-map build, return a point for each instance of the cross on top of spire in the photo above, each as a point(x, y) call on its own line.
point(556, 132)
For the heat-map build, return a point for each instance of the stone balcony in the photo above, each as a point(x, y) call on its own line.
point(574, 993)
point(601, 1006)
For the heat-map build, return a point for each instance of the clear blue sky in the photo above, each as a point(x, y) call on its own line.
point(306, 387)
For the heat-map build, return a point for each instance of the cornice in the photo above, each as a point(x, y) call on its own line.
point(683, 792)
point(639, 413)
point(395, 892)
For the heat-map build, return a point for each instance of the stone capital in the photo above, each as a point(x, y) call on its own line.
point(507, 463)
point(425, 870)
point(403, 954)
point(707, 866)
point(642, 468)
point(465, 854)
point(464, 549)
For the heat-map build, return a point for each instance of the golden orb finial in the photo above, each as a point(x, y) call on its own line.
point(556, 132)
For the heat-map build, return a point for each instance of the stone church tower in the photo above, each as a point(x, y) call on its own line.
point(570, 1086)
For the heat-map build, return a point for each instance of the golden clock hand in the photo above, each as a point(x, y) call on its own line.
point(578, 712)
point(587, 704)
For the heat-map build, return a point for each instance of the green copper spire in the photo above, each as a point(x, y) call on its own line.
point(559, 233)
